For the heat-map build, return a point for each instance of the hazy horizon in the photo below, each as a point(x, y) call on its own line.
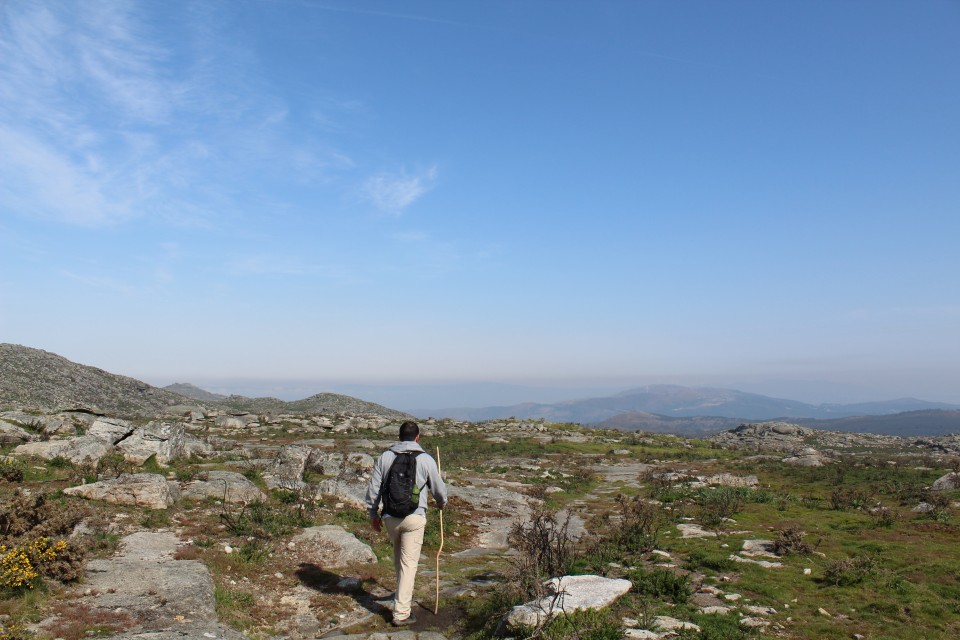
point(409, 396)
point(755, 195)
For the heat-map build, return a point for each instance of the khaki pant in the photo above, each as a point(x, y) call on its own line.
point(406, 534)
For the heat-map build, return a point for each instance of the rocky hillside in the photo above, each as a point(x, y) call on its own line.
point(36, 379)
point(318, 404)
point(39, 379)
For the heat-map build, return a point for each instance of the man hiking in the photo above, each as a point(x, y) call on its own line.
point(401, 473)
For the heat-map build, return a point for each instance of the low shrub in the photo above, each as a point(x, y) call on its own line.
point(848, 571)
point(113, 465)
point(791, 541)
point(700, 558)
point(263, 520)
point(661, 583)
point(11, 470)
point(545, 549)
point(588, 624)
point(842, 499)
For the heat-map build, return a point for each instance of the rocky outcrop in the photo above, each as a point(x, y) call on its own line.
point(228, 486)
point(148, 490)
point(80, 450)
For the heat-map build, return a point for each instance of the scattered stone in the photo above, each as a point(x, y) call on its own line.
point(752, 622)
point(666, 623)
point(758, 610)
point(824, 612)
point(716, 610)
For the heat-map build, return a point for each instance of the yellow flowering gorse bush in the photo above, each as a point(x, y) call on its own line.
point(21, 565)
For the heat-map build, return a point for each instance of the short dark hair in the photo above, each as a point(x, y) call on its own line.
point(409, 430)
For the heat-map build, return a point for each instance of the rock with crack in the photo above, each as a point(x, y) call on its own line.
point(568, 594)
point(80, 450)
point(148, 490)
point(331, 547)
point(286, 471)
point(228, 486)
point(165, 440)
point(112, 430)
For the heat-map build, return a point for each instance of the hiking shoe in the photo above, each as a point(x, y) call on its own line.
point(405, 621)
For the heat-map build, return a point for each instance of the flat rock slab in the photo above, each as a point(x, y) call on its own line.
point(571, 593)
point(766, 564)
point(629, 473)
point(168, 598)
point(396, 635)
point(758, 548)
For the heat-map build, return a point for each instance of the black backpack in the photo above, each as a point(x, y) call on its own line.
point(399, 491)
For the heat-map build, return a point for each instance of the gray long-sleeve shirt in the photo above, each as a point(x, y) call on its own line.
point(428, 474)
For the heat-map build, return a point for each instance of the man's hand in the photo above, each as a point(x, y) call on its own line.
point(376, 524)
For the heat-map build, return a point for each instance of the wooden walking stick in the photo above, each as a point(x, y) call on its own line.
point(436, 605)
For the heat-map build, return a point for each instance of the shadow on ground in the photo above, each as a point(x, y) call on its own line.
point(317, 578)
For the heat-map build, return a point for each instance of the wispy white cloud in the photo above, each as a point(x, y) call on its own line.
point(101, 122)
point(394, 192)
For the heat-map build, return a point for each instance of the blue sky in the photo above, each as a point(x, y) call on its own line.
point(759, 194)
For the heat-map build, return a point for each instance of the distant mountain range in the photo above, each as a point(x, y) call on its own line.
point(36, 379)
point(676, 401)
point(702, 411)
